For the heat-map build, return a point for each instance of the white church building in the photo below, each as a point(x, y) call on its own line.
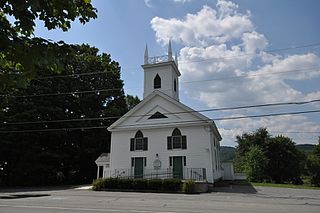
point(161, 137)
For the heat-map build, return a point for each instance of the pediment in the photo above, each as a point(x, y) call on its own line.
point(169, 110)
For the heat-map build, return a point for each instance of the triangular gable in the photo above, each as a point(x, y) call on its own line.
point(176, 112)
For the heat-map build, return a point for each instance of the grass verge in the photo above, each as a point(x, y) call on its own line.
point(283, 185)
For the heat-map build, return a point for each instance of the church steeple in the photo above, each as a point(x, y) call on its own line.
point(169, 51)
point(146, 55)
point(161, 73)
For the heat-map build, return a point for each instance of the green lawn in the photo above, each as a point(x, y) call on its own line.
point(286, 186)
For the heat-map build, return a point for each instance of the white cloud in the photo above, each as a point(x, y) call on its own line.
point(222, 44)
point(292, 126)
point(148, 3)
point(182, 1)
point(205, 28)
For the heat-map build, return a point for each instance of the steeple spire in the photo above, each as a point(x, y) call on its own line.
point(146, 55)
point(169, 51)
point(176, 58)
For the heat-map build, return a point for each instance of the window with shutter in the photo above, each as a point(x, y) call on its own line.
point(177, 141)
point(184, 142)
point(169, 142)
point(132, 144)
point(139, 143)
point(145, 144)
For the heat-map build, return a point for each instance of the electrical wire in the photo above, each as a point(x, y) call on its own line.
point(94, 73)
point(167, 113)
point(169, 123)
point(119, 89)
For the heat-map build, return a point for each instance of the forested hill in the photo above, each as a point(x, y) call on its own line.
point(306, 147)
point(228, 153)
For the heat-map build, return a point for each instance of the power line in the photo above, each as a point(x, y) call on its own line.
point(119, 89)
point(258, 74)
point(162, 123)
point(268, 115)
point(95, 73)
point(73, 75)
point(62, 93)
point(54, 130)
point(248, 54)
point(168, 113)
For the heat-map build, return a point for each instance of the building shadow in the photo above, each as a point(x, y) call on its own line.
point(236, 186)
point(26, 189)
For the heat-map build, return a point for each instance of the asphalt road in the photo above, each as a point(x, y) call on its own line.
point(237, 199)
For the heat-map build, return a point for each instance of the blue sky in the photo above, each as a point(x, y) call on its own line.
point(218, 40)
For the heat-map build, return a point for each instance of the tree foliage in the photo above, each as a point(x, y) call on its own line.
point(62, 152)
point(19, 53)
point(132, 101)
point(313, 165)
point(265, 157)
point(255, 164)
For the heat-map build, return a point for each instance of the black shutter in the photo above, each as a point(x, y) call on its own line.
point(145, 144)
point(184, 160)
point(132, 162)
point(170, 161)
point(132, 144)
point(184, 142)
point(169, 142)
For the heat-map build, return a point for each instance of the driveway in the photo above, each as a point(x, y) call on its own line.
point(223, 199)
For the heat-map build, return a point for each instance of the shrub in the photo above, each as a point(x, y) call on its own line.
point(188, 186)
point(98, 184)
point(125, 184)
point(171, 185)
point(155, 184)
point(140, 184)
point(297, 181)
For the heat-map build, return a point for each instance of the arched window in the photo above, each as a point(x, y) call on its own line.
point(176, 132)
point(176, 141)
point(138, 134)
point(139, 143)
point(157, 82)
point(175, 85)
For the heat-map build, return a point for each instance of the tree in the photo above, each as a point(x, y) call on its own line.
point(132, 101)
point(245, 142)
point(63, 151)
point(19, 53)
point(255, 164)
point(284, 159)
point(313, 165)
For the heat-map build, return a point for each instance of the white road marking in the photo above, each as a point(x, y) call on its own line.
point(81, 209)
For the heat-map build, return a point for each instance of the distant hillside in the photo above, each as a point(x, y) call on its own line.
point(306, 147)
point(227, 153)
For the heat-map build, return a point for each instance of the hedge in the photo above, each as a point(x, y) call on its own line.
point(166, 185)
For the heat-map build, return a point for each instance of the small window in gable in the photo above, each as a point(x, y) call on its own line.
point(157, 82)
point(175, 85)
point(157, 115)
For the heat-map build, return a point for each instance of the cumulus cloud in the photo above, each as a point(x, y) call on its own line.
point(148, 3)
point(205, 28)
point(182, 1)
point(227, 56)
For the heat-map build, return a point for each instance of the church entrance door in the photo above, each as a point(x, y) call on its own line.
point(177, 167)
